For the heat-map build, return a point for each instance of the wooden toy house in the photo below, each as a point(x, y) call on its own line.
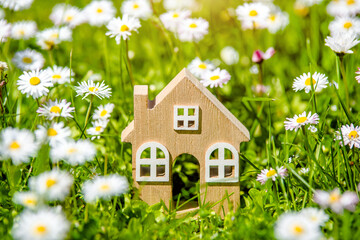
point(185, 117)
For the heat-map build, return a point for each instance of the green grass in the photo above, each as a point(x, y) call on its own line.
point(299, 48)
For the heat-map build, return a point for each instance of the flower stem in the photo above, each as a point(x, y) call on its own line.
point(88, 112)
point(129, 64)
point(343, 74)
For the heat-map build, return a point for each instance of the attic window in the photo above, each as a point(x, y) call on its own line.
point(186, 118)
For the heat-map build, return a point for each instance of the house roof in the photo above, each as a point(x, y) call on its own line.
point(126, 134)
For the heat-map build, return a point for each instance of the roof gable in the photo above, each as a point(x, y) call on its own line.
point(185, 74)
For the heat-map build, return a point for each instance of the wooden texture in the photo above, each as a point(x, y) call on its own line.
point(154, 122)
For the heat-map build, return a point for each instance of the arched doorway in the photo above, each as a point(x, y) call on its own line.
point(185, 181)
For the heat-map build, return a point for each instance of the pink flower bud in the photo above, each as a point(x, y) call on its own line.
point(259, 56)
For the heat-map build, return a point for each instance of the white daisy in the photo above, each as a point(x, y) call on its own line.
point(316, 216)
point(341, 43)
point(66, 14)
point(90, 88)
point(229, 55)
point(3, 66)
point(97, 128)
point(215, 78)
point(55, 134)
point(98, 13)
point(319, 81)
point(198, 67)
point(59, 75)
point(73, 152)
point(34, 83)
point(266, 174)
point(277, 20)
point(350, 135)
point(105, 187)
point(23, 30)
point(16, 5)
point(358, 75)
point(298, 121)
point(179, 4)
point(26, 199)
point(343, 7)
point(5, 30)
point(122, 28)
point(51, 37)
point(253, 15)
point(336, 201)
point(56, 108)
point(28, 60)
point(193, 29)
point(17, 144)
point(103, 111)
point(46, 223)
point(137, 8)
point(345, 25)
point(173, 19)
point(304, 171)
point(294, 226)
point(52, 185)
point(282, 172)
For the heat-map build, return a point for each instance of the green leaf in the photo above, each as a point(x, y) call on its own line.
point(41, 163)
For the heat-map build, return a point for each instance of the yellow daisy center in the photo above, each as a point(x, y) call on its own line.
point(50, 182)
point(54, 35)
point(350, 2)
point(216, 77)
point(175, 15)
point(99, 10)
point(301, 119)
point(124, 28)
point(272, 18)
point(334, 197)
point(21, 32)
point(347, 25)
point(98, 129)
point(27, 60)
point(135, 6)
point(103, 113)
point(253, 13)
point(307, 82)
point(69, 18)
point(14, 145)
point(34, 81)
point(353, 134)
point(40, 230)
point(55, 109)
point(202, 66)
point(57, 76)
point(72, 150)
point(193, 25)
point(270, 173)
point(93, 89)
point(298, 230)
point(105, 187)
point(30, 202)
point(51, 132)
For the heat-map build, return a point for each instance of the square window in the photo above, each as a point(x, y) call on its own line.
point(186, 118)
point(160, 170)
point(214, 171)
point(229, 171)
point(144, 170)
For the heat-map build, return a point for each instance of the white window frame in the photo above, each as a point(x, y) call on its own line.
point(186, 118)
point(153, 162)
point(221, 163)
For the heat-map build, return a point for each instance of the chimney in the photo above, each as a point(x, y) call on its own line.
point(141, 101)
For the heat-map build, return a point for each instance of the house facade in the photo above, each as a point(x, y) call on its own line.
point(185, 117)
